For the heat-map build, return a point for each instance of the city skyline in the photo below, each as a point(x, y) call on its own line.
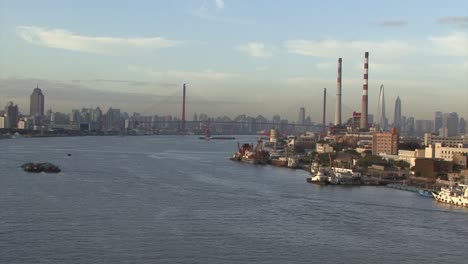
point(234, 58)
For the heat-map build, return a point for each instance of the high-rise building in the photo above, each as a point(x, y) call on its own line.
point(301, 118)
point(462, 126)
point(12, 115)
point(381, 117)
point(397, 114)
point(450, 121)
point(437, 122)
point(36, 106)
point(113, 119)
point(276, 119)
point(424, 126)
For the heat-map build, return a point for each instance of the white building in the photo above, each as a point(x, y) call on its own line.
point(323, 148)
point(446, 153)
point(410, 156)
point(2, 122)
point(25, 123)
point(430, 139)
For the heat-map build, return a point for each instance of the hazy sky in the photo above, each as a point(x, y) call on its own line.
point(237, 57)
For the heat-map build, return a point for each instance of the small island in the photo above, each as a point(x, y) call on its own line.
point(40, 167)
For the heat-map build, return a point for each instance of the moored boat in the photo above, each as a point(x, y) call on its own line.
point(248, 154)
point(318, 178)
point(318, 175)
point(425, 193)
point(456, 195)
point(279, 162)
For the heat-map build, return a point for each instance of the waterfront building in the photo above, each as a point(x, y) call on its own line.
point(431, 169)
point(385, 142)
point(2, 121)
point(36, 106)
point(25, 123)
point(75, 116)
point(113, 119)
point(397, 114)
point(96, 119)
point(12, 115)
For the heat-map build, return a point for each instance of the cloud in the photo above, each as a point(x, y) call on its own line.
point(393, 23)
point(219, 4)
point(457, 21)
point(455, 44)
point(63, 39)
point(211, 11)
point(256, 49)
point(336, 48)
point(182, 75)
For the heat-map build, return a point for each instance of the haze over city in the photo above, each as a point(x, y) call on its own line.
point(252, 57)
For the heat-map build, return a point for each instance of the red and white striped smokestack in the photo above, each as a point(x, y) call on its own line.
point(365, 101)
point(183, 109)
point(338, 96)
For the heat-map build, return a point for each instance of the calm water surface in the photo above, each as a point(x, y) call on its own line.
point(167, 199)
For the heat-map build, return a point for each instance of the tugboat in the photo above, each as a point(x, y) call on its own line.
point(456, 195)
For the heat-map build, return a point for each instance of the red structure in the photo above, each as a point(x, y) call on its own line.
point(365, 103)
point(183, 109)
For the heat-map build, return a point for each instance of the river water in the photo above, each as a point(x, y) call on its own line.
point(169, 199)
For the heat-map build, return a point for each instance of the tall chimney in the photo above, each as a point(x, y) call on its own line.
point(324, 109)
point(183, 109)
point(364, 112)
point(338, 96)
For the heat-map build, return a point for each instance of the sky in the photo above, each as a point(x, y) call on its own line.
point(236, 57)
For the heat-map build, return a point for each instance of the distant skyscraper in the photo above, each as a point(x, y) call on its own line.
point(437, 122)
point(397, 114)
point(276, 119)
point(11, 112)
point(423, 126)
point(381, 118)
point(301, 118)
point(36, 106)
point(462, 126)
point(450, 121)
